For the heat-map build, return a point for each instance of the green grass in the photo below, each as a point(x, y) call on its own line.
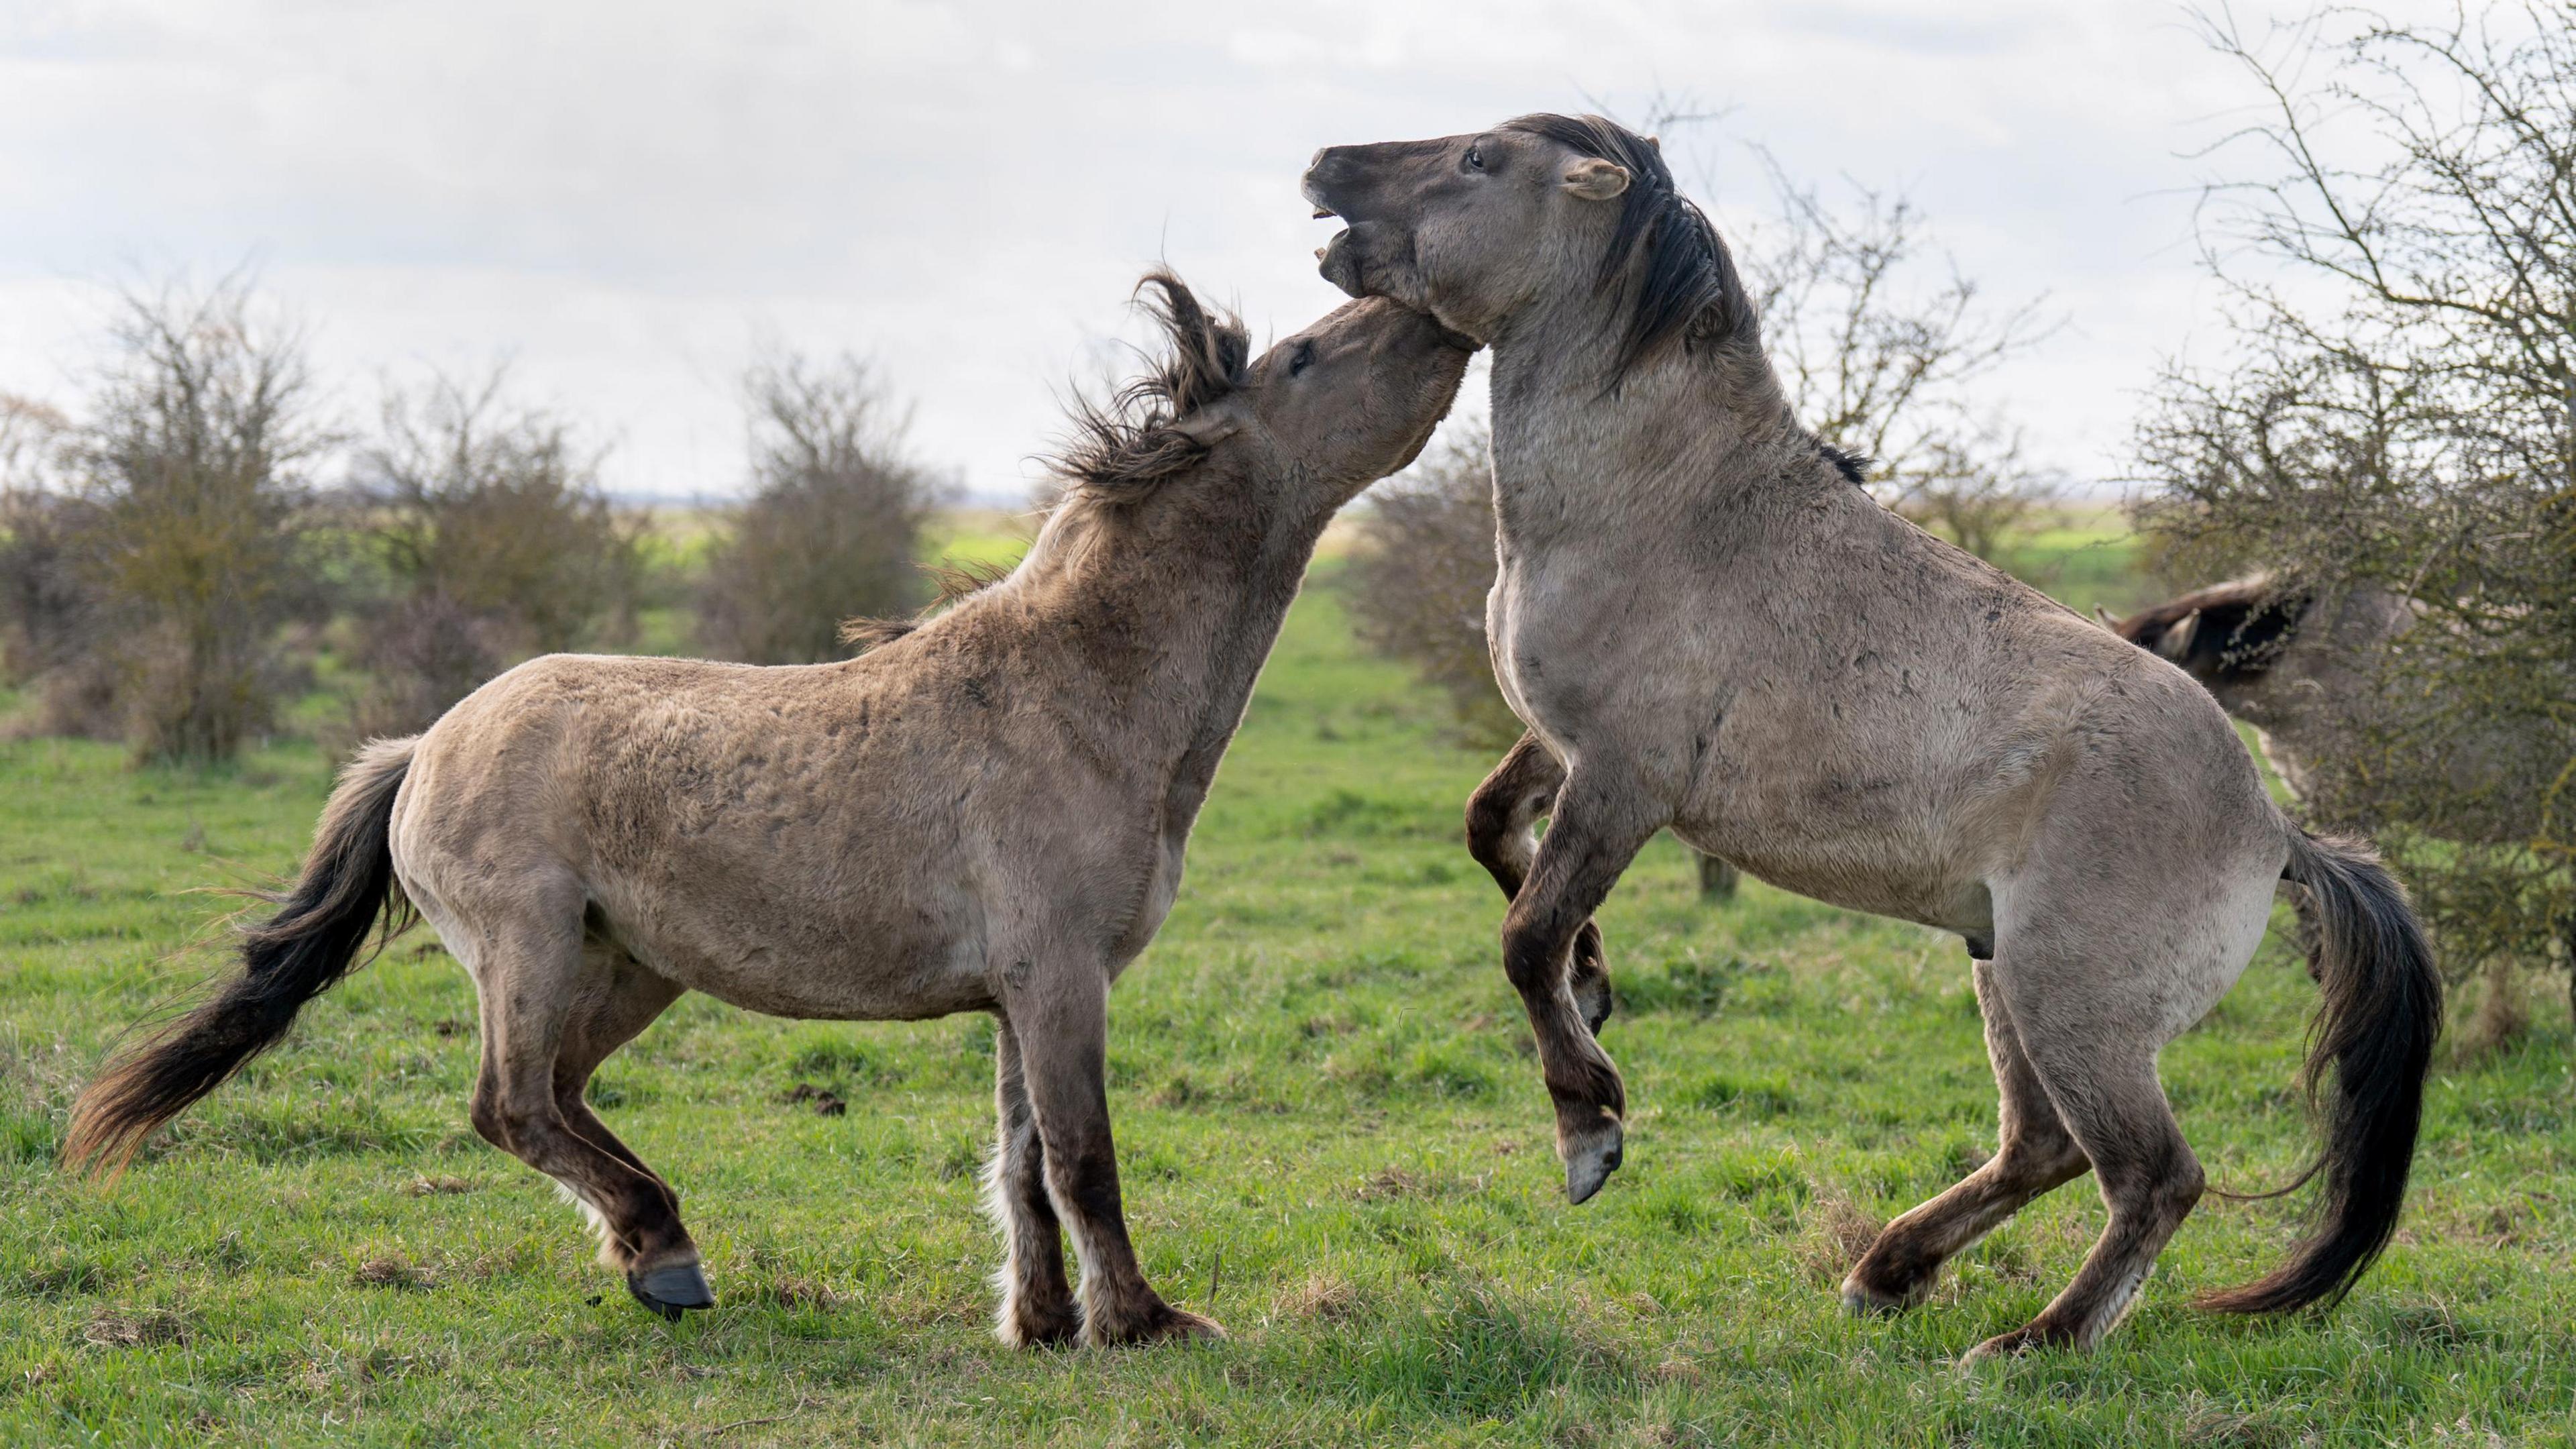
point(2085, 555)
point(1333, 1136)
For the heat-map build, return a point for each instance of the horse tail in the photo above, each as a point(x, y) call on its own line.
point(346, 889)
point(2377, 1024)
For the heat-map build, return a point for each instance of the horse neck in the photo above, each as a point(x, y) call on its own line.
point(1682, 431)
point(1175, 627)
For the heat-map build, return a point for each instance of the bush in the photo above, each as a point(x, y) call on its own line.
point(500, 544)
point(832, 527)
point(1880, 344)
point(2393, 415)
point(1418, 584)
point(189, 537)
point(50, 609)
point(52, 618)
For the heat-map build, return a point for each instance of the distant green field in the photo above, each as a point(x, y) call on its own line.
point(2085, 555)
point(1334, 1140)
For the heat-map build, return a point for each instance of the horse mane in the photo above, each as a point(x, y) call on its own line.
point(1122, 447)
point(955, 582)
point(2238, 628)
point(1690, 291)
point(1853, 466)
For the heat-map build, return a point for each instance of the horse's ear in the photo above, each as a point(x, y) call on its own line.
point(1213, 424)
point(2102, 616)
point(1594, 179)
point(2175, 642)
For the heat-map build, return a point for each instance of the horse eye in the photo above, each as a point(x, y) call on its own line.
point(1305, 356)
point(1475, 159)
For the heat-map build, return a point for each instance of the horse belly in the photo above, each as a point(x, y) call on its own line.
point(1895, 875)
point(814, 960)
point(1835, 824)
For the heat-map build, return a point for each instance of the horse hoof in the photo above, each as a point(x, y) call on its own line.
point(1187, 1325)
point(1165, 1324)
point(673, 1290)
point(1863, 1302)
point(1590, 1161)
point(1026, 1326)
point(2004, 1345)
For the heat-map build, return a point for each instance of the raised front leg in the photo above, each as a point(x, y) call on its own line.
point(1600, 821)
point(1061, 1020)
point(1037, 1301)
point(1501, 833)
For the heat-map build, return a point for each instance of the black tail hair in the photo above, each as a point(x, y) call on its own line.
point(314, 940)
point(2381, 1015)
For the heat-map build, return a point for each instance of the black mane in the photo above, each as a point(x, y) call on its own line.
point(1853, 466)
point(1688, 290)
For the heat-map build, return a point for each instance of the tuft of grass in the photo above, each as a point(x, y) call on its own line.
point(137, 1328)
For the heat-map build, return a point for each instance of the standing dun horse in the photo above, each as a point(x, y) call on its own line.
point(1706, 625)
point(985, 812)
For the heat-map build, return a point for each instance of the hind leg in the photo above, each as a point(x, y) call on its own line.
point(532, 973)
point(1500, 834)
point(617, 1000)
point(2035, 1153)
point(2096, 1057)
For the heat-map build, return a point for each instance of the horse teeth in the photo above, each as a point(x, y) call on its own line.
point(1322, 212)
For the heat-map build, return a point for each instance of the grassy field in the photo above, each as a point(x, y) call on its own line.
point(1334, 1140)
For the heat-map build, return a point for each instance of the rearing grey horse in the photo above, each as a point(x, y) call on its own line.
point(1707, 626)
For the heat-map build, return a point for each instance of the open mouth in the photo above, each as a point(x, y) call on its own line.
point(1323, 213)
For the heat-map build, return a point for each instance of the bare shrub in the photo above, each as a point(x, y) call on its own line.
point(2396, 411)
point(1880, 341)
point(832, 527)
point(50, 606)
point(500, 543)
point(422, 652)
point(1417, 588)
point(52, 613)
point(31, 440)
point(196, 537)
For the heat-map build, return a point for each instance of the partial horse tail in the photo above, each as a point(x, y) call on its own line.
point(346, 888)
point(2377, 1025)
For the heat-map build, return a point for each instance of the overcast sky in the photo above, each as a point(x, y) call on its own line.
point(624, 201)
